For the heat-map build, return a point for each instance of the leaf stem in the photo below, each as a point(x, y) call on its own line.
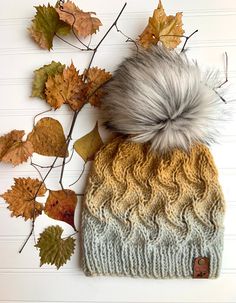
point(46, 111)
point(71, 44)
point(80, 175)
point(56, 166)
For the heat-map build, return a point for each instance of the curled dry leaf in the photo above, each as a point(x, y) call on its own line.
point(60, 205)
point(48, 138)
point(13, 150)
point(45, 25)
point(88, 145)
point(65, 88)
point(84, 23)
point(53, 249)
point(96, 78)
point(21, 198)
point(41, 75)
point(166, 29)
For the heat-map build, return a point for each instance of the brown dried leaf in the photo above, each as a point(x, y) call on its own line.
point(48, 138)
point(88, 145)
point(85, 24)
point(60, 205)
point(13, 150)
point(65, 88)
point(166, 29)
point(96, 77)
point(21, 198)
point(18, 153)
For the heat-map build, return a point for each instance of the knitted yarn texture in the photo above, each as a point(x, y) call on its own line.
point(149, 214)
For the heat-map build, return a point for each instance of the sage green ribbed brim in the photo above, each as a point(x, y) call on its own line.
point(108, 249)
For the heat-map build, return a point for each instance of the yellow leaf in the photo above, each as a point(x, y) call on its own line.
point(84, 24)
point(48, 138)
point(88, 145)
point(21, 198)
point(166, 29)
point(60, 205)
point(96, 78)
point(13, 150)
point(66, 87)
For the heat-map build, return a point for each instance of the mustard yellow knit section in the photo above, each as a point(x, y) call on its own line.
point(136, 182)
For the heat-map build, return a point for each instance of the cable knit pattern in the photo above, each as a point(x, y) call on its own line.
point(150, 214)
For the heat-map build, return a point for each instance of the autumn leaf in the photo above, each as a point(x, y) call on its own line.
point(41, 75)
point(45, 25)
point(60, 205)
point(88, 145)
point(9, 139)
point(96, 77)
point(166, 29)
point(19, 152)
point(13, 150)
point(48, 138)
point(65, 88)
point(84, 23)
point(21, 198)
point(53, 249)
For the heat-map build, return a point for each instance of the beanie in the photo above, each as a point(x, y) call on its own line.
point(153, 204)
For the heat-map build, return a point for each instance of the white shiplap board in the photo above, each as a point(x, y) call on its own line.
point(21, 278)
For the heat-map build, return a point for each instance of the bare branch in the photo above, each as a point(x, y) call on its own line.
point(82, 171)
point(46, 111)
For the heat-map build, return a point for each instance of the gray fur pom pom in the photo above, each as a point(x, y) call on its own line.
point(160, 96)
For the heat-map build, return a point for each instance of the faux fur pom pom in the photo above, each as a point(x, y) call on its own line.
point(160, 96)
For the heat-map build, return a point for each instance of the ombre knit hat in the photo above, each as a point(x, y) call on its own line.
point(153, 205)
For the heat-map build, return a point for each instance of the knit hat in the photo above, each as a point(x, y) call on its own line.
point(153, 205)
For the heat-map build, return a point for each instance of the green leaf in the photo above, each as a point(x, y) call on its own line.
point(41, 76)
point(88, 145)
point(45, 25)
point(53, 249)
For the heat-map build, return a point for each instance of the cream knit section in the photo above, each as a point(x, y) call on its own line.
point(152, 212)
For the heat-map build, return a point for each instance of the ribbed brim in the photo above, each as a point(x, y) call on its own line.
point(106, 252)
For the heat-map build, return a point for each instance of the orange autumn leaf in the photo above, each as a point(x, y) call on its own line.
point(13, 150)
point(18, 153)
point(161, 27)
point(9, 139)
point(21, 198)
point(84, 23)
point(64, 88)
point(96, 77)
point(48, 138)
point(60, 205)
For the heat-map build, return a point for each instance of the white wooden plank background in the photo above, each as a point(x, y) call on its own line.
point(21, 278)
